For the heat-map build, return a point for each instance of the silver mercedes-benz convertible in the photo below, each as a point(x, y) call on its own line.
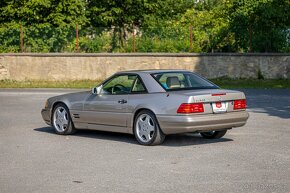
point(150, 104)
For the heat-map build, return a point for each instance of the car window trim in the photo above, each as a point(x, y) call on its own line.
point(139, 92)
point(179, 89)
point(112, 77)
point(130, 92)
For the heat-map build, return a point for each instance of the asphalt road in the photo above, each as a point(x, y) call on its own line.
point(253, 158)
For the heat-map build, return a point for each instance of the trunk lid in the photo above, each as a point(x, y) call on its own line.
point(213, 100)
point(212, 95)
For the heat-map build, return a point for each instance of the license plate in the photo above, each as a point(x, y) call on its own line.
point(219, 107)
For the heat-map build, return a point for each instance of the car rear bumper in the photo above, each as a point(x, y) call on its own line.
point(199, 123)
point(46, 116)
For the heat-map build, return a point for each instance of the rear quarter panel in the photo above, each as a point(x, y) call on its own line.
point(158, 103)
point(168, 103)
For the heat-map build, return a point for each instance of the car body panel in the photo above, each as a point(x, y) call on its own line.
point(46, 115)
point(201, 123)
point(105, 112)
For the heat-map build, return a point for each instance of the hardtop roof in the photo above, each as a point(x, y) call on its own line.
point(151, 71)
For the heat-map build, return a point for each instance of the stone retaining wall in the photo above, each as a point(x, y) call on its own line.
point(99, 66)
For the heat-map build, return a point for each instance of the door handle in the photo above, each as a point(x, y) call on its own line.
point(122, 101)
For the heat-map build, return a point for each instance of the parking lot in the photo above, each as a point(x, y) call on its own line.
point(253, 158)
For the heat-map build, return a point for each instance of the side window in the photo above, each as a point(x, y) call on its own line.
point(121, 84)
point(138, 87)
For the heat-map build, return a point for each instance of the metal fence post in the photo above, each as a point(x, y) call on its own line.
point(77, 37)
point(190, 38)
point(21, 39)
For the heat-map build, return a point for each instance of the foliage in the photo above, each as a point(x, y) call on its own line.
point(32, 12)
point(121, 16)
point(98, 40)
point(260, 25)
point(210, 27)
point(150, 25)
point(9, 38)
point(45, 38)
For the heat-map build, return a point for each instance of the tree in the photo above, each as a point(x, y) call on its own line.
point(120, 15)
point(162, 25)
point(260, 25)
point(49, 25)
point(31, 12)
point(210, 26)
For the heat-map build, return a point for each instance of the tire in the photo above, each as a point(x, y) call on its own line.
point(213, 134)
point(147, 130)
point(61, 120)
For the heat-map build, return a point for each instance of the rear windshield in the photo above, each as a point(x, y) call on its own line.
point(182, 81)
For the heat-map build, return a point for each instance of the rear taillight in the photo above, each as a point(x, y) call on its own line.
point(190, 108)
point(240, 104)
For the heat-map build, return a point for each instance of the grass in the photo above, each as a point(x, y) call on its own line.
point(224, 83)
point(252, 83)
point(48, 84)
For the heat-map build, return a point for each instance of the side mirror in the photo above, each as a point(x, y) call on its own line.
point(97, 90)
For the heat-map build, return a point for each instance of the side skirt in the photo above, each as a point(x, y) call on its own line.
point(92, 126)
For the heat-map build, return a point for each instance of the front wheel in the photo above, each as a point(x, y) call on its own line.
point(147, 130)
point(61, 120)
point(213, 134)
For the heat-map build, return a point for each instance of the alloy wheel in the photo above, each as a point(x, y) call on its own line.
point(60, 119)
point(145, 128)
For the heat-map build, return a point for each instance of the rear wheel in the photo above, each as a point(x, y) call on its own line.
point(147, 130)
point(61, 120)
point(213, 134)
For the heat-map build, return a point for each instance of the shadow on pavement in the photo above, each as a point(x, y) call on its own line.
point(190, 139)
point(45, 129)
point(274, 102)
point(121, 137)
point(170, 140)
